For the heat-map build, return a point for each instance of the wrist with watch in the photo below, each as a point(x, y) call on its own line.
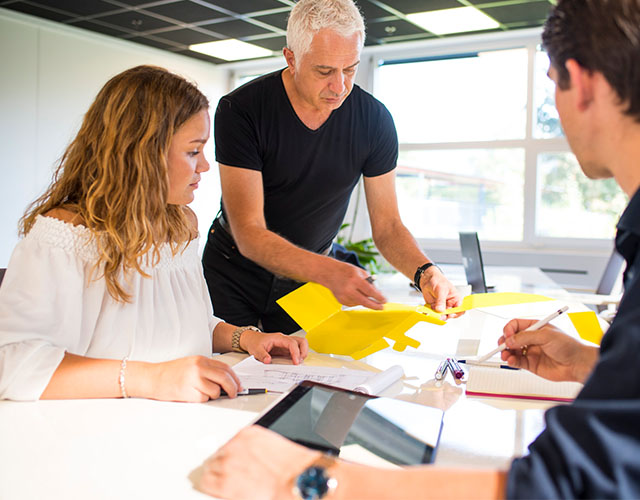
point(237, 333)
point(316, 481)
point(420, 271)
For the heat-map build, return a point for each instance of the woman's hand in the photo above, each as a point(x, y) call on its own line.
point(548, 352)
point(265, 345)
point(194, 379)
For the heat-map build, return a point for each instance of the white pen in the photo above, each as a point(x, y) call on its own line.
point(536, 326)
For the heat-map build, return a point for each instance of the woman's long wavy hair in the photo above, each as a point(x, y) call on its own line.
point(114, 174)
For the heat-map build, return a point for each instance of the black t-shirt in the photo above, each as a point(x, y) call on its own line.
point(308, 175)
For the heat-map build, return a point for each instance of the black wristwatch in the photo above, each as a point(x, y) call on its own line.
point(419, 272)
point(315, 482)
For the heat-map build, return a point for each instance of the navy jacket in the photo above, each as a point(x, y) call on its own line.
point(591, 448)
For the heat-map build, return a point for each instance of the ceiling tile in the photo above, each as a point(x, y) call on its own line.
point(186, 36)
point(477, 32)
point(186, 12)
point(235, 29)
point(529, 12)
point(395, 28)
point(106, 30)
point(134, 3)
point(371, 11)
point(278, 20)
point(135, 21)
point(411, 6)
point(37, 11)
point(202, 57)
point(276, 44)
point(246, 6)
point(85, 8)
point(151, 42)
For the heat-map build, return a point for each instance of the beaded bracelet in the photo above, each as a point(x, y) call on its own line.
point(123, 367)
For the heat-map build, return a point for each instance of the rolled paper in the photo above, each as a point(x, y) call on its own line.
point(380, 381)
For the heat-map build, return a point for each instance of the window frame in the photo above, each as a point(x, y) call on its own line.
point(530, 40)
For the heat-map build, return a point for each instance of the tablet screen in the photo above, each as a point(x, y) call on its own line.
point(332, 419)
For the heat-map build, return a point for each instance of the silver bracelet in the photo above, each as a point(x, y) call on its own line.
point(123, 367)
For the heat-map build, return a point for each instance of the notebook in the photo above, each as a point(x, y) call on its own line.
point(520, 384)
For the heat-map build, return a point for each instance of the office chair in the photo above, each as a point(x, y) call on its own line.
point(609, 276)
point(602, 297)
point(472, 262)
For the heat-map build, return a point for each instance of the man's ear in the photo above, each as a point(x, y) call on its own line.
point(581, 81)
point(290, 58)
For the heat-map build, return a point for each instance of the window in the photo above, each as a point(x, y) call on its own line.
point(472, 97)
point(468, 156)
point(245, 78)
point(572, 206)
point(547, 121)
point(442, 192)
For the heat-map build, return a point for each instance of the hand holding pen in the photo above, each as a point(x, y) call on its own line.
point(550, 353)
point(535, 325)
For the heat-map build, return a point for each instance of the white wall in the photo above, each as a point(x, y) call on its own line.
point(50, 74)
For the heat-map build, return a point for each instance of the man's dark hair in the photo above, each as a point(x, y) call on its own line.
point(601, 35)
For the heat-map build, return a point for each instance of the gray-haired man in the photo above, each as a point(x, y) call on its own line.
point(292, 146)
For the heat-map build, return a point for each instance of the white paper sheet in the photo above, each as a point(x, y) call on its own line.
point(279, 377)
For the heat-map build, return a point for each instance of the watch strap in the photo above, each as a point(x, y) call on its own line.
point(237, 333)
point(419, 272)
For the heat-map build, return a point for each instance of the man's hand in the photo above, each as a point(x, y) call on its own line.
point(438, 292)
point(256, 463)
point(548, 352)
point(350, 286)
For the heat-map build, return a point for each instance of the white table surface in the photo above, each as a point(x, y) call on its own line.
point(107, 449)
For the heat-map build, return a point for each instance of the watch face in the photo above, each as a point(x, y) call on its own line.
point(313, 483)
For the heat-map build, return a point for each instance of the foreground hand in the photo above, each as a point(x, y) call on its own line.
point(257, 464)
point(438, 292)
point(550, 353)
point(264, 345)
point(195, 379)
point(350, 286)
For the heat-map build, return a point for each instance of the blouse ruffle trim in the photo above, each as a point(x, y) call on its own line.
point(77, 240)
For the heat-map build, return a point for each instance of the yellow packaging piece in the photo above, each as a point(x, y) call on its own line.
point(587, 326)
point(496, 299)
point(360, 332)
point(356, 333)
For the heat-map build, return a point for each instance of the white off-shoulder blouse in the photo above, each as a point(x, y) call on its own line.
point(51, 303)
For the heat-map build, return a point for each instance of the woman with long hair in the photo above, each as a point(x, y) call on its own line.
point(104, 296)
